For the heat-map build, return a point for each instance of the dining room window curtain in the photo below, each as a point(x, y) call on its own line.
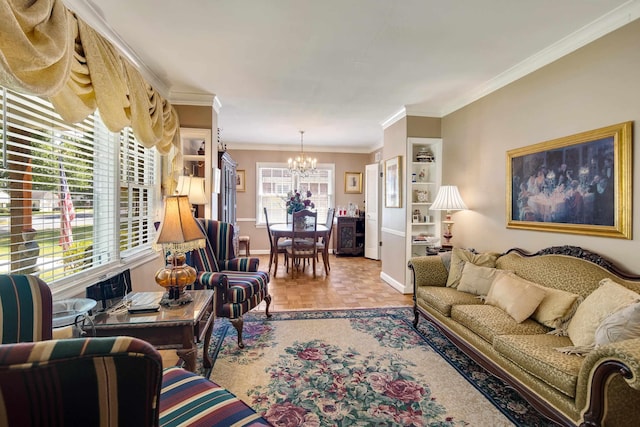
point(62, 215)
point(275, 182)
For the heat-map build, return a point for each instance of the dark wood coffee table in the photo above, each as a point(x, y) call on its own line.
point(179, 328)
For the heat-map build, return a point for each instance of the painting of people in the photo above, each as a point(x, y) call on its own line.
point(571, 181)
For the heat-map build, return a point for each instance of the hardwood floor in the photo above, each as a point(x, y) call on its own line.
point(352, 282)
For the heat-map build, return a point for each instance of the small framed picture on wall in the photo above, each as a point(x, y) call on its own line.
point(240, 181)
point(392, 183)
point(353, 182)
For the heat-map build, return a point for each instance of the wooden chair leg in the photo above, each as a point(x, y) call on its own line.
point(267, 300)
point(314, 266)
point(238, 324)
point(325, 261)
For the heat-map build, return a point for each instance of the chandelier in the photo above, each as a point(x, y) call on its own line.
point(302, 165)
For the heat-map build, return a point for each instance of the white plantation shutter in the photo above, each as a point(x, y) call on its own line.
point(39, 154)
point(275, 181)
point(137, 190)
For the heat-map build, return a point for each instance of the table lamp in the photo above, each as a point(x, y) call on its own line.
point(192, 187)
point(179, 233)
point(448, 199)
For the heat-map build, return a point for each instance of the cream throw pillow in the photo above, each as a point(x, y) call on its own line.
point(518, 297)
point(460, 256)
point(608, 298)
point(556, 308)
point(622, 325)
point(477, 280)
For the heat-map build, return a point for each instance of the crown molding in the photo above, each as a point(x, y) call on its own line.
point(217, 104)
point(408, 111)
point(606, 24)
point(295, 148)
point(195, 98)
point(394, 118)
point(94, 17)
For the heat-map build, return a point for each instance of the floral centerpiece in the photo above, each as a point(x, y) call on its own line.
point(296, 202)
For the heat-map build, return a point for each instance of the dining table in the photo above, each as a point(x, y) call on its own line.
point(279, 231)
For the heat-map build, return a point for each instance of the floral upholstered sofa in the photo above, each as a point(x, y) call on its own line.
point(560, 326)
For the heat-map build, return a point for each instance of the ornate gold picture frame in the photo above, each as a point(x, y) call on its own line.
point(579, 184)
point(353, 182)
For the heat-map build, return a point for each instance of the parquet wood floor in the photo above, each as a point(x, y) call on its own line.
point(352, 282)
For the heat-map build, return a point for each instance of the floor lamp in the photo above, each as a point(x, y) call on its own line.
point(449, 200)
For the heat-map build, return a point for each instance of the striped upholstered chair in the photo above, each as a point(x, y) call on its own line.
point(239, 285)
point(26, 309)
point(114, 381)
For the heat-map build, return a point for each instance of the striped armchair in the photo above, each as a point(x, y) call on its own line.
point(114, 381)
point(240, 286)
point(26, 309)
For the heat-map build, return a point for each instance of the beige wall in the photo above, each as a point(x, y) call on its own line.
point(394, 220)
point(246, 201)
point(194, 116)
point(596, 86)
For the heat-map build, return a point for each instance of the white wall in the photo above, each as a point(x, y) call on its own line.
point(596, 86)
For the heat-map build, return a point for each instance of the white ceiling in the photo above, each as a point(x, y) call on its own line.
point(341, 69)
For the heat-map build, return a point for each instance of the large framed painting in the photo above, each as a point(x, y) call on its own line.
point(392, 182)
point(578, 184)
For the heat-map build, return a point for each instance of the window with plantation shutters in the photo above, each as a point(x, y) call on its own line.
point(74, 199)
point(275, 182)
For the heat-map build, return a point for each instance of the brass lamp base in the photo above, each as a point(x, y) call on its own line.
point(174, 277)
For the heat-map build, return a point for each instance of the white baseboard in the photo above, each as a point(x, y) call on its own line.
point(395, 284)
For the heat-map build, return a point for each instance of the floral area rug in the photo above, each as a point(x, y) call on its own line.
point(366, 367)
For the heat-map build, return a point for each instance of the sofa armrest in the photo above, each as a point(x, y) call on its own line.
point(599, 366)
point(240, 264)
point(428, 271)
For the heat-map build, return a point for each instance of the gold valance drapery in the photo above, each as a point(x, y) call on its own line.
point(46, 50)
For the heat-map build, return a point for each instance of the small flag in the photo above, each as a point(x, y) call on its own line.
point(67, 212)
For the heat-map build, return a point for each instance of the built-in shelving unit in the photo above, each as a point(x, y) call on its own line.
point(424, 174)
point(196, 160)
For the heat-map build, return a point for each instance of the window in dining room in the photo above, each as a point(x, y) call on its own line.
point(275, 181)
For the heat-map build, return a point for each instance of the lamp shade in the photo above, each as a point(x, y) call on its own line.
point(448, 199)
point(193, 187)
point(179, 231)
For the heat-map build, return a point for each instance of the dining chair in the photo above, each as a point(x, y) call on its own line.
point(323, 243)
point(281, 248)
point(303, 244)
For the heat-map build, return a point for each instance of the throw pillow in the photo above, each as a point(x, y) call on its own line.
point(557, 308)
point(621, 325)
point(518, 297)
point(460, 256)
point(606, 299)
point(476, 279)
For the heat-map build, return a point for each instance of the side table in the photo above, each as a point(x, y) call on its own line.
point(179, 328)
